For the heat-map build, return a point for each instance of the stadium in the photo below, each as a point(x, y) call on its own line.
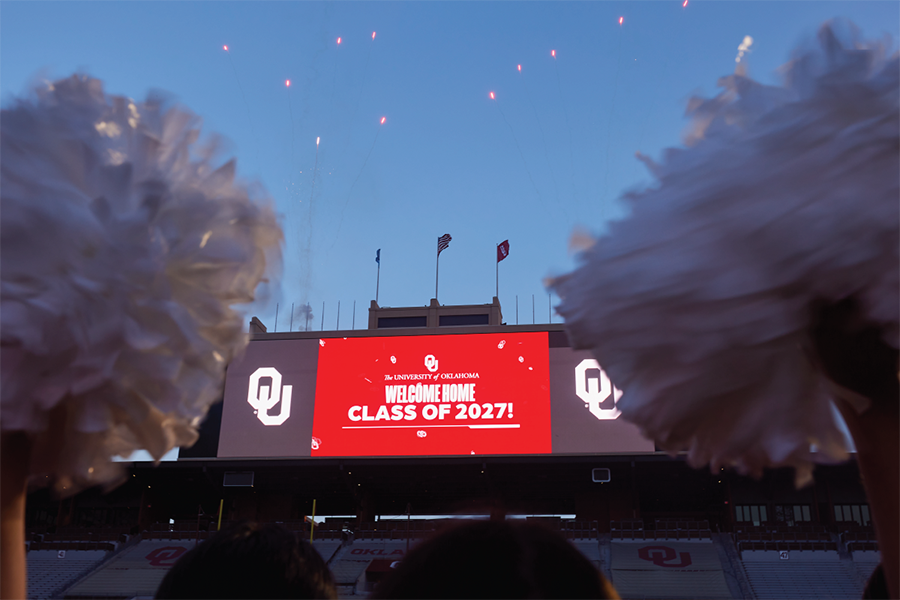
point(367, 441)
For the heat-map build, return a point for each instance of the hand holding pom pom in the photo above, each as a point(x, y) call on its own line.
point(124, 252)
point(758, 283)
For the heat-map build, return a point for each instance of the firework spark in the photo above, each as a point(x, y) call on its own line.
point(553, 53)
point(621, 20)
point(339, 41)
point(383, 119)
point(492, 96)
point(373, 35)
point(520, 68)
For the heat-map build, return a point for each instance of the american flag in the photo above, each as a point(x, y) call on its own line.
point(443, 242)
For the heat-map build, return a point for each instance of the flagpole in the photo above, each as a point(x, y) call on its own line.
point(497, 258)
point(377, 282)
point(437, 266)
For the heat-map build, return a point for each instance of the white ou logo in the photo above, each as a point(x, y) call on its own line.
point(431, 363)
point(421, 433)
point(595, 390)
point(260, 398)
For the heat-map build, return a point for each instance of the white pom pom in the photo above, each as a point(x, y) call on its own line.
point(698, 304)
point(124, 253)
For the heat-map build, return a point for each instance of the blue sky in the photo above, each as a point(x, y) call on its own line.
point(555, 150)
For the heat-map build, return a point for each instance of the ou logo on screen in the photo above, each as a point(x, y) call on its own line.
point(595, 388)
point(431, 363)
point(263, 398)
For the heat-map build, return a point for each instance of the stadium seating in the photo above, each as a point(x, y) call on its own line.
point(349, 563)
point(672, 558)
point(326, 548)
point(179, 530)
point(664, 529)
point(864, 562)
point(779, 537)
point(136, 571)
point(813, 575)
point(396, 529)
point(580, 530)
point(668, 570)
point(50, 571)
point(591, 550)
point(77, 539)
point(860, 540)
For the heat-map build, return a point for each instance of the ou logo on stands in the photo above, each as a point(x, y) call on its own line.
point(662, 556)
point(594, 390)
point(263, 398)
point(165, 557)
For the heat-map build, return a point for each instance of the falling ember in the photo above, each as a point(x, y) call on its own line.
point(520, 68)
point(621, 20)
point(684, 4)
point(553, 53)
point(373, 35)
point(492, 95)
point(317, 142)
point(225, 48)
point(339, 41)
point(287, 83)
point(383, 119)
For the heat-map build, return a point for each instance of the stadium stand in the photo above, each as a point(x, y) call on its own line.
point(179, 531)
point(664, 529)
point(326, 548)
point(136, 571)
point(858, 539)
point(50, 571)
point(397, 529)
point(357, 564)
point(350, 562)
point(801, 575)
point(779, 537)
point(864, 562)
point(322, 531)
point(579, 530)
point(76, 538)
point(591, 549)
point(729, 525)
point(668, 570)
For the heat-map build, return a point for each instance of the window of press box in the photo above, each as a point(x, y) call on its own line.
point(792, 514)
point(852, 512)
point(457, 320)
point(753, 513)
point(400, 322)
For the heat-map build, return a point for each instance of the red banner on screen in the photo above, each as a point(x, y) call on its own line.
point(433, 395)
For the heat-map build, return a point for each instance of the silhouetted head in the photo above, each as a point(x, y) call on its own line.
point(495, 559)
point(250, 561)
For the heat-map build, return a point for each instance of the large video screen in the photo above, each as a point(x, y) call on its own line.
point(423, 395)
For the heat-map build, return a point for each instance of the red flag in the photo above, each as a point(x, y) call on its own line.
point(502, 250)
